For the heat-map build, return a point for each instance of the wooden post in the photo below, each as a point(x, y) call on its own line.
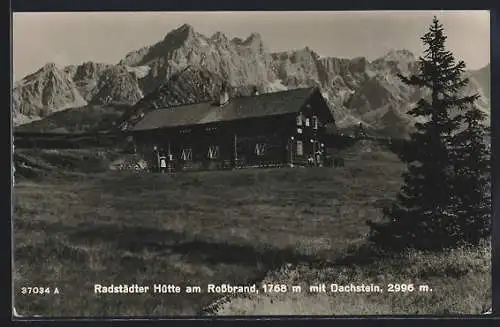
point(235, 151)
point(315, 161)
point(169, 161)
point(157, 158)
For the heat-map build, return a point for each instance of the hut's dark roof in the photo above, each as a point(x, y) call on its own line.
point(267, 104)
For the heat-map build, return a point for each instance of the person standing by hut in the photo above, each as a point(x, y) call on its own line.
point(159, 159)
point(163, 164)
point(318, 158)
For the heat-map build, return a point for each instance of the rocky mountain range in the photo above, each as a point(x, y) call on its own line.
point(186, 66)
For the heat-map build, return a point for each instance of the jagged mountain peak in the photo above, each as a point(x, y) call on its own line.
point(49, 66)
point(185, 28)
point(47, 90)
point(89, 69)
point(183, 32)
point(359, 63)
point(237, 40)
point(219, 37)
point(398, 55)
point(254, 41)
point(183, 46)
point(298, 55)
point(253, 37)
point(178, 38)
point(49, 70)
point(395, 62)
point(92, 64)
point(116, 85)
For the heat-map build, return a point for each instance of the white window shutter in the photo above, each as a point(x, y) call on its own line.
point(299, 120)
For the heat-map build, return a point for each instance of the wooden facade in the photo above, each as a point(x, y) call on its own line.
point(287, 136)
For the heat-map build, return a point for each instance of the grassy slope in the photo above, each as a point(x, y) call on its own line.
point(37, 164)
point(77, 120)
point(198, 228)
point(458, 281)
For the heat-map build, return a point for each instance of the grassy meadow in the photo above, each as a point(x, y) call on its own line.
point(302, 226)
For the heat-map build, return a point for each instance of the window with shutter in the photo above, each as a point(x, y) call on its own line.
point(260, 149)
point(315, 122)
point(187, 154)
point(213, 151)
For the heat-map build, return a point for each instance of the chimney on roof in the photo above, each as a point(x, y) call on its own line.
point(224, 95)
point(255, 91)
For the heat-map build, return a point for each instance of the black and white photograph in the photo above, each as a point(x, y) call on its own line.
point(280, 163)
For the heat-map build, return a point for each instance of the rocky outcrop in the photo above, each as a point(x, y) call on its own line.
point(117, 85)
point(191, 85)
point(86, 77)
point(186, 66)
point(52, 89)
point(48, 90)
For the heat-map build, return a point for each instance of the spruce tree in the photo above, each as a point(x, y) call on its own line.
point(422, 216)
point(472, 184)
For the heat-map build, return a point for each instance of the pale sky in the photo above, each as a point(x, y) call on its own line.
point(73, 38)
